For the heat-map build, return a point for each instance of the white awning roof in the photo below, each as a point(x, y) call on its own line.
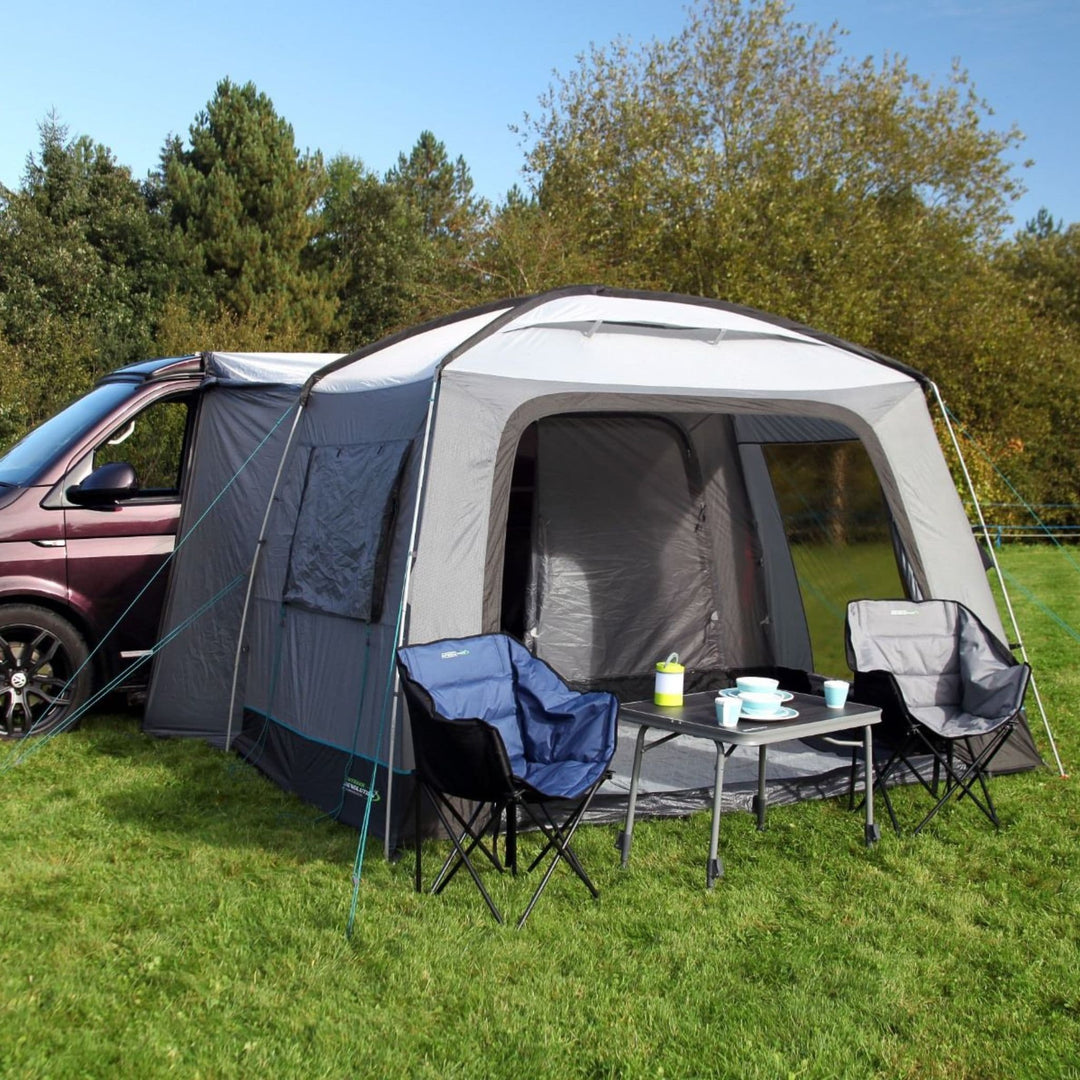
point(407, 360)
point(615, 342)
point(267, 368)
point(667, 346)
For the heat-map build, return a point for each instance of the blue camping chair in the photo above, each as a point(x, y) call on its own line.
point(946, 686)
point(493, 725)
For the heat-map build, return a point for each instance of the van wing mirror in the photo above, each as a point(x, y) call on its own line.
point(106, 485)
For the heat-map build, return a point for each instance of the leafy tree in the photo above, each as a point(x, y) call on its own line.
point(440, 189)
point(182, 329)
point(82, 265)
point(747, 158)
point(371, 248)
point(1045, 259)
point(241, 196)
point(525, 250)
point(400, 249)
point(13, 415)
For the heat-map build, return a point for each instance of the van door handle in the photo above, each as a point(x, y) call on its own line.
point(50, 543)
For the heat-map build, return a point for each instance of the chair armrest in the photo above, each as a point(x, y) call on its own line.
point(582, 726)
point(577, 710)
point(880, 689)
point(997, 694)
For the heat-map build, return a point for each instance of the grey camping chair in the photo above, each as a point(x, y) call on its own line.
point(944, 684)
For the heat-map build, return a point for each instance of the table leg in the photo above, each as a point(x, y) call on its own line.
point(873, 833)
point(759, 799)
point(627, 835)
point(714, 868)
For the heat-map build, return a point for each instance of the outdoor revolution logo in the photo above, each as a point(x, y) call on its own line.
point(358, 787)
point(451, 654)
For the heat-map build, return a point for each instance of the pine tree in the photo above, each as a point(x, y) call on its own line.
point(241, 197)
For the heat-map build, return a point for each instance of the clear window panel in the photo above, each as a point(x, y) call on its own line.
point(840, 536)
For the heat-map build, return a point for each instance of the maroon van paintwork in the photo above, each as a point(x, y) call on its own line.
point(110, 558)
point(89, 564)
point(34, 568)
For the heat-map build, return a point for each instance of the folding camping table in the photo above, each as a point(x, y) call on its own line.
point(696, 717)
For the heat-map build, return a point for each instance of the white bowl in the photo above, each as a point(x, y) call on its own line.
point(761, 701)
point(756, 684)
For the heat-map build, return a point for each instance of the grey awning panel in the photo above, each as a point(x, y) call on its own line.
point(751, 428)
point(337, 561)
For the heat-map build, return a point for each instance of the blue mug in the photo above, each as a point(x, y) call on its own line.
point(836, 692)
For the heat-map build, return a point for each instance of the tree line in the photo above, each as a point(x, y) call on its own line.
point(747, 158)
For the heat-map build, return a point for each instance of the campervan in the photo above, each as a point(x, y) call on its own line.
point(89, 506)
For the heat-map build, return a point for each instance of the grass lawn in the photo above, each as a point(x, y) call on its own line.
point(167, 911)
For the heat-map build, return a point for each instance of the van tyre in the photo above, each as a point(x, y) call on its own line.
point(40, 653)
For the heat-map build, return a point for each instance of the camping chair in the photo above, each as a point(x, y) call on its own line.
point(941, 680)
point(494, 725)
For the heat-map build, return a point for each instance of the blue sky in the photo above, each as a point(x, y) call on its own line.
point(366, 78)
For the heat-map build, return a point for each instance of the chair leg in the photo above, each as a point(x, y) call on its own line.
point(418, 798)
point(977, 769)
point(546, 827)
point(985, 789)
point(560, 838)
point(550, 829)
point(511, 838)
point(476, 837)
point(462, 856)
point(963, 783)
point(880, 786)
point(917, 739)
point(889, 808)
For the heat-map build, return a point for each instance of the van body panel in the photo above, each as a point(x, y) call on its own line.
point(95, 565)
point(24, 519)
point(107, 574)
point(33, 571)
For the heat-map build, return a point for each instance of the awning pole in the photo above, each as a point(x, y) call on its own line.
point(1000, 575)
point(410, 558)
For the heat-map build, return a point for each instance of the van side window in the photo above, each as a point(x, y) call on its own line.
point(153, 442)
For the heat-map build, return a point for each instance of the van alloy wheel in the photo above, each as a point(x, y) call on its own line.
point(41, 655)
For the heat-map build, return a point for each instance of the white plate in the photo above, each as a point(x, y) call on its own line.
point(783, 713)
point(733, 691)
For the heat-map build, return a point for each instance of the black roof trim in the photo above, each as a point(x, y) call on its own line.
point(166, 367)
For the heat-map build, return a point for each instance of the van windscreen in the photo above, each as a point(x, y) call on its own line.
point(25, 462)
